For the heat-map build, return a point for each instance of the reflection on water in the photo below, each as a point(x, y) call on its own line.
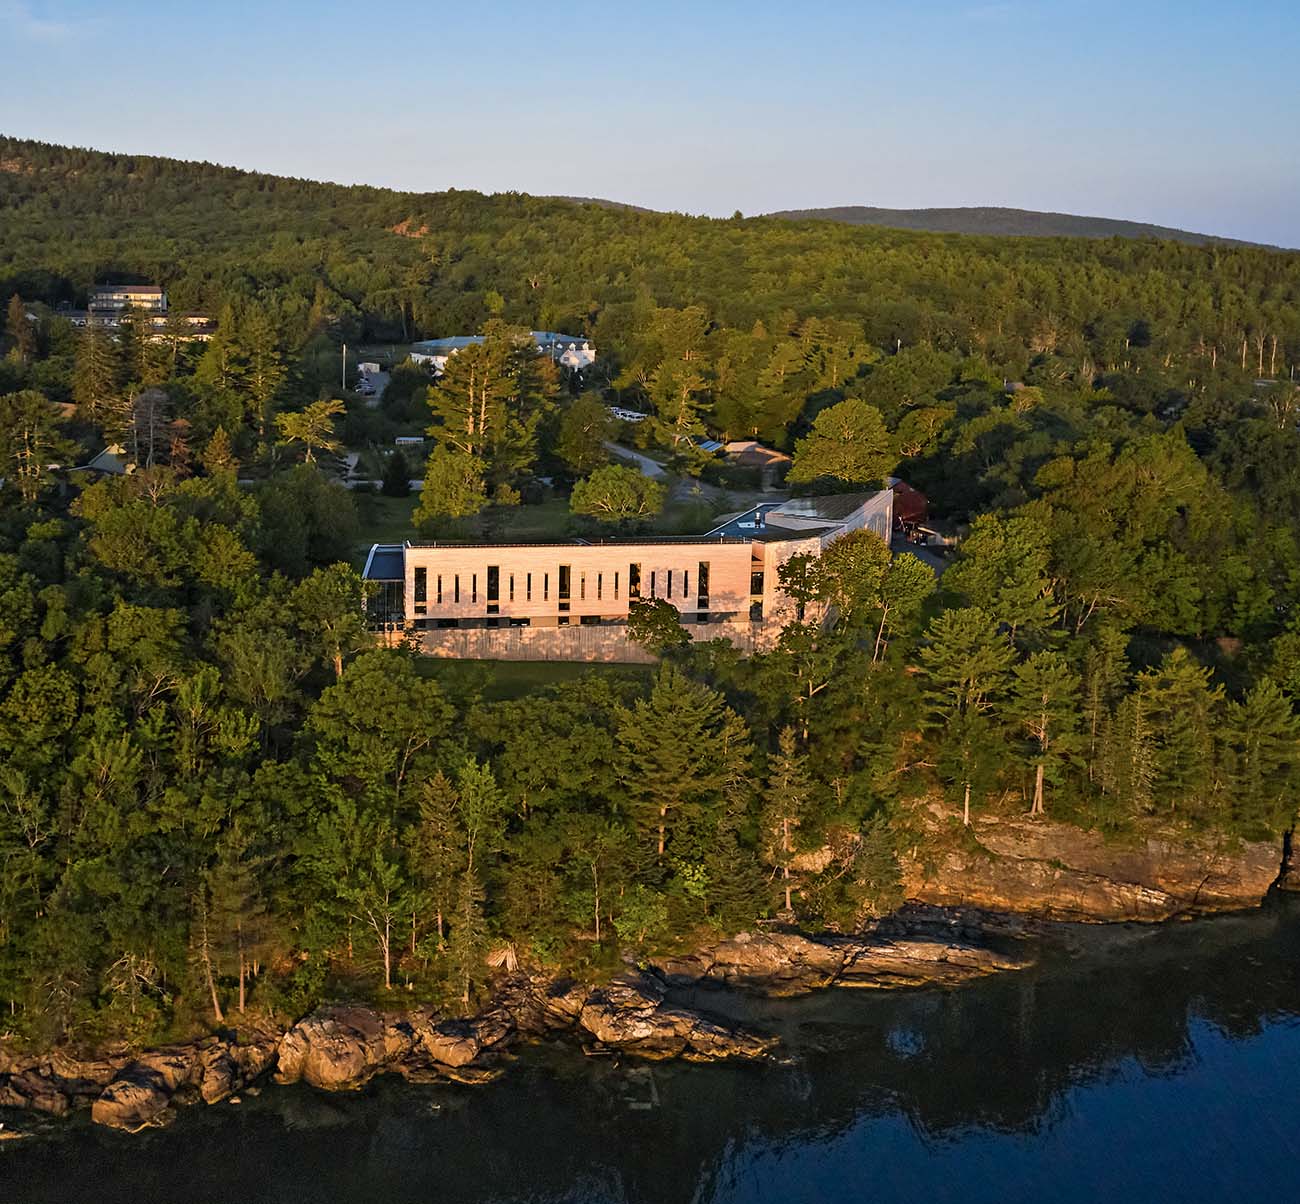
point(1144, 1065)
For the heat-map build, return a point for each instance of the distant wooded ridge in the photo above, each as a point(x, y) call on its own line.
point(993, 220)
point(21, 157)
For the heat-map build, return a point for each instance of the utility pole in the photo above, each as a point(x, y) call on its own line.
point(344, 385)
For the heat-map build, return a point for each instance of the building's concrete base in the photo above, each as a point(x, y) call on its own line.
point(575, 643)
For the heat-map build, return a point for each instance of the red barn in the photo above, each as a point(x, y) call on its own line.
point(911, 507)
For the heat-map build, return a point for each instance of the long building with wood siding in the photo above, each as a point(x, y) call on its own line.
point(569, 600)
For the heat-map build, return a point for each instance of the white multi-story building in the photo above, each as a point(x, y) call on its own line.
point(148, 306)
point(107, 301)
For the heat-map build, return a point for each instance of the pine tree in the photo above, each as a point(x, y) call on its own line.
point(397, 476)
point(97, 379)
point(1261, 739)
point(1105, 673)
point(1044, 703)
point(584, 429)
point(736, 889)
point(223, 367)
point(265, 370)
point(238, 919)
point(677, 391)
point(1128, 756)
point(20, 330)
point(966, 669)
point(468, 940)
point(133, 343)
point(435, 850)
point(175, 340)
point(481, 809)
point(469, 401)
point(218, 456)
point(312, 427)
point(31, 443)
point(683, 747)
point(1181, 705)
point(787, 801)
point(1004, 569)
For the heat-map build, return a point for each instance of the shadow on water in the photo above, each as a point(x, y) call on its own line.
point(1152, 1064)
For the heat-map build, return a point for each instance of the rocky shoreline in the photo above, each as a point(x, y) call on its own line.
point(1005, 877)
point(341, 1047)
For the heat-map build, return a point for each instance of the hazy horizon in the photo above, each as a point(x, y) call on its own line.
point(1069, 107)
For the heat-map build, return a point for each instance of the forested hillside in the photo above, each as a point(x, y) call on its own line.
point(219, 799)
point(992, 219)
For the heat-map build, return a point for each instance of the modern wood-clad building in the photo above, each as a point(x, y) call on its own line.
point(569, 600)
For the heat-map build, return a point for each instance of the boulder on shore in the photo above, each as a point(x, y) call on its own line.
point(629, 1014)
point(229, 1067)
point(142, 1093)
point(34, 1092)
point(337, 1048)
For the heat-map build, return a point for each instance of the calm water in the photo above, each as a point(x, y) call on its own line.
point(1153, 1065)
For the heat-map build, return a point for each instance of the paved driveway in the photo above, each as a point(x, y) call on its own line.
point(380, 381)
point(647, 466)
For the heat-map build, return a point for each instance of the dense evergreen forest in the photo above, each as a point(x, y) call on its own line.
point(219, 799)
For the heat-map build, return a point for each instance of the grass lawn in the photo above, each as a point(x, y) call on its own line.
point(687, 518)
point(513, 524)
point(499, 680)
point(388, 520)
point(383, 520)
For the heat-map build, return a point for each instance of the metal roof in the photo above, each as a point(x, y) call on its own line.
point(545, 339)
point(832, 506)
point(386, 562)
point(457, 342)
point(747, 524)
point(707, 540)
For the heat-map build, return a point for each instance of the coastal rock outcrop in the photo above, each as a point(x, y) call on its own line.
point(790, 963)
point(228, 1067)
point(54, 1082)
point(337, 1048)
point(1062, 872)
point(630, 1014)
point(35, 1092)
point(143, 1091)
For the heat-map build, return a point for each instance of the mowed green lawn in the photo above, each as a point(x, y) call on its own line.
point(388, 520)
point(500, 680)
point(382, 520)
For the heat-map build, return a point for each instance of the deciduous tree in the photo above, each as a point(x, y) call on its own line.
point(848, 447)
point(617, 494)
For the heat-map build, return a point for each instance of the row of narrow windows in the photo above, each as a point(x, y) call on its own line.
point(676, 584)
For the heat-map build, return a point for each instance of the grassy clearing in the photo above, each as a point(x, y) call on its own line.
point(513, 524)
point(383, 520)
point(388, 520)
point(501, 680)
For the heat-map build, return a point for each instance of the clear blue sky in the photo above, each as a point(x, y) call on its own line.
point(1181, 112)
